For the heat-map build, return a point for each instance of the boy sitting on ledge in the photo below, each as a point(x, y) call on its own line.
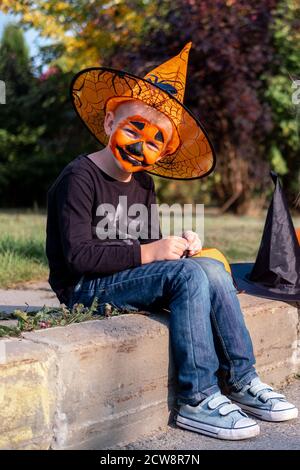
point(146, 129)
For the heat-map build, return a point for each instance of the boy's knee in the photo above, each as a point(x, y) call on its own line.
point(212, 267)
point(216, 273)
point(187, 271)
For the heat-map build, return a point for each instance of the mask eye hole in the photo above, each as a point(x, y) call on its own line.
point(131, 133)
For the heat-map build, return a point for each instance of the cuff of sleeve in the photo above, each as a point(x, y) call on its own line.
point(137, 257)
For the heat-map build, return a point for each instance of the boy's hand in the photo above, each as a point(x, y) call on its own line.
point(168, 248)
point(195, 244)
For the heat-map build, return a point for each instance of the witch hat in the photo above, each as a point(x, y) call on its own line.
point(96, 90)
point(276, 271)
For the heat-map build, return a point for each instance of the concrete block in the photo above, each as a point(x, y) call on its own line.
point(115, 379)
point(273, 327)
point(27, 395)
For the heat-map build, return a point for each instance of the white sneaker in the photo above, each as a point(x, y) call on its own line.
point(217, 417)
point(259, 400)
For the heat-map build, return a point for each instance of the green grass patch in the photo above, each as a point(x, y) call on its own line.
point(22, 248)
point(237, 237)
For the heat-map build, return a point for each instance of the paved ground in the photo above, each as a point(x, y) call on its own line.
point(29, 296)
point(273, 436)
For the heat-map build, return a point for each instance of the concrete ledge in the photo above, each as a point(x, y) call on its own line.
point(274, 329)
point(101, 383)
point(27, 395)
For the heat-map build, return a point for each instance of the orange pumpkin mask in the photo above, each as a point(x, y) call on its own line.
point(137, 144)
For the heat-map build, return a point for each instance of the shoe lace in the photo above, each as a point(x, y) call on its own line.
point(224, 404)
point(264, 392)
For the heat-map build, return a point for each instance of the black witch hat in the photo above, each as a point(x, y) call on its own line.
point(276, 271)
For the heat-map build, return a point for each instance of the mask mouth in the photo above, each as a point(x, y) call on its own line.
point(130, 158)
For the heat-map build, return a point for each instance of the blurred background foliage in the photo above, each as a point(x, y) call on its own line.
point(244, 59)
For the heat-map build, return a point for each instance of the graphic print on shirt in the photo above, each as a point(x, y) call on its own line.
point(122, 222)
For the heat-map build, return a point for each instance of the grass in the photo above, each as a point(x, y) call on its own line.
point(238, 237)
point(22, 242)
point(22, 247)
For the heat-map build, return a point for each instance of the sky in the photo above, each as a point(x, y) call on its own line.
point(32, 36)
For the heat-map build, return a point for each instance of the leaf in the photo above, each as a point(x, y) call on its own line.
point(21, 315)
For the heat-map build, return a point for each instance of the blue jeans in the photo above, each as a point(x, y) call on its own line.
point(207, 327)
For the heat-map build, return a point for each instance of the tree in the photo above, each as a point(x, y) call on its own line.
point(231, 50)
point(238, 82)
point(85, 33)
point(15, 70)
point(39, 132)
point(284, 142)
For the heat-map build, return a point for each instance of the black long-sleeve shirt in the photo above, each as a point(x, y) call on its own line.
point(74, 246)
